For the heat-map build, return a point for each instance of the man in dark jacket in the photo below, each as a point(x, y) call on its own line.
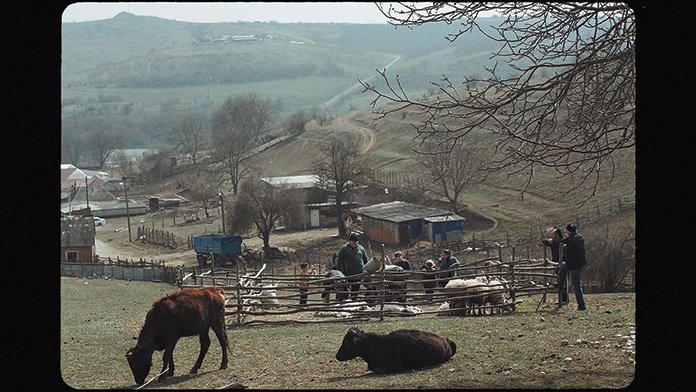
point(447, 263)
point(573, 261)
point(351, 261)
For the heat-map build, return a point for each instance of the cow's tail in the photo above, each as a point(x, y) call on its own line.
point(453, 346)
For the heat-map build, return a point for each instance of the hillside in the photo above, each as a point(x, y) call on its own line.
point(134, 75)
point(495, 210)
point(388, 144)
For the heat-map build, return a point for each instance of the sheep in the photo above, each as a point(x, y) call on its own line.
point(496, 297)
point(463, 287)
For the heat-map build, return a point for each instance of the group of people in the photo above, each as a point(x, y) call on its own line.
point(569, 253)
point(350, 261)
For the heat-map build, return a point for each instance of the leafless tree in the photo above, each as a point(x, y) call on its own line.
point(153, 165)
point(101, 145)
point(341, 171)
point(73, 149)
point(262, 206)
point(126, 166)
point(569, 103)
point(237, 125)
point(204, 191)
point(611, 252)
point(451, 168)
point(189, 135)
point(295, 123)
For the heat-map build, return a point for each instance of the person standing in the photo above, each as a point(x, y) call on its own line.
point(573, 261)
point(400, 261)
point(555, 244)
point(447, 263)
point(306, 270)
point(351, 260)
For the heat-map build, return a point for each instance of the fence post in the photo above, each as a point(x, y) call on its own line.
point(239, 298)
point(512, 267)
point(383, 294)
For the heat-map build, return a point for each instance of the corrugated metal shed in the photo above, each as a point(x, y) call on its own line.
point(293, 182)
point(447, 218)
point(399, 211)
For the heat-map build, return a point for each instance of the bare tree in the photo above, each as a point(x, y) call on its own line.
point(565, 101)
point(204, 191)
point(154, 164)
point(237, 126)
point(341, 171)
point(102, 144)
point(295, 123)
point(263, 206)
point(451, 168)
point(189, 135)
point(73, 148)
point(611, 252)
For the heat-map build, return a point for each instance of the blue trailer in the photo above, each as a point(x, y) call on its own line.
point(218, 248)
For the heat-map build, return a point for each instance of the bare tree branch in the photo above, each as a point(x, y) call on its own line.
point(565, 100)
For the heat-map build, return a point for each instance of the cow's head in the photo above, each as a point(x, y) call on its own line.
point(140, 362)
point(350, 347)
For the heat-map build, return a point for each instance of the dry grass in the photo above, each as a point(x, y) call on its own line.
point(521, 350)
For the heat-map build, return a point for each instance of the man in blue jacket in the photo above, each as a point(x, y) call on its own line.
point(351, 261)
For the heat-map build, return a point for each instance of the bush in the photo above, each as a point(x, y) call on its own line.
point(610, 251)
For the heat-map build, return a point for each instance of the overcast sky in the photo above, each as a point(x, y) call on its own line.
point(365, 12)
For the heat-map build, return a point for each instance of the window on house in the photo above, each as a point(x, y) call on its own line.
point(73, 257)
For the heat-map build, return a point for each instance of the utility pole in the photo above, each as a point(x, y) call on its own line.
point(222, 205)
point(125, 189)
point(87, 192)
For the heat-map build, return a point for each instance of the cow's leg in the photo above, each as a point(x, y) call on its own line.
point(221, 333)
point(205, 343)
point(168, 361)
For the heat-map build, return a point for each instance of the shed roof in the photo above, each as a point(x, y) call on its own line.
point(447, 218)
point(399, 211)
point(294, 182)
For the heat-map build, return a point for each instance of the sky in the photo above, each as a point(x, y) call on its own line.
point(319, 12)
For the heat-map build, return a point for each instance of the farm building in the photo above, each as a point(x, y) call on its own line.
point(85, 189)
point(400, 223)
point(319, 206)
point(77, 235)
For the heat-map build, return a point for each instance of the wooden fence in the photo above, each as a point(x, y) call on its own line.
point(250, 300)
point(159, 237)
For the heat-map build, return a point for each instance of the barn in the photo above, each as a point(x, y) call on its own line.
point(400, 223)
point(320, 208)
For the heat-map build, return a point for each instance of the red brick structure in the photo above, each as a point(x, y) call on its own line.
point(77, 235)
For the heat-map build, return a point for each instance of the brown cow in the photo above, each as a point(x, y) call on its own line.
point(187, 312)
point(396, 351)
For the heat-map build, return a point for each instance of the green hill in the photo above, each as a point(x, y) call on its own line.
point(133, 75)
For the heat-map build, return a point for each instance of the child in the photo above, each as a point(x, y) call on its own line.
point(305, 272)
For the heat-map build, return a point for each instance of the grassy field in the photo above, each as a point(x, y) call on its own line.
point(551, 348)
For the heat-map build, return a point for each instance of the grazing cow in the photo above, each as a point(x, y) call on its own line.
point(396, 351)
point(187, 312)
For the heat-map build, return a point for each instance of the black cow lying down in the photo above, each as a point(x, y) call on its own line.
point(396, 351)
